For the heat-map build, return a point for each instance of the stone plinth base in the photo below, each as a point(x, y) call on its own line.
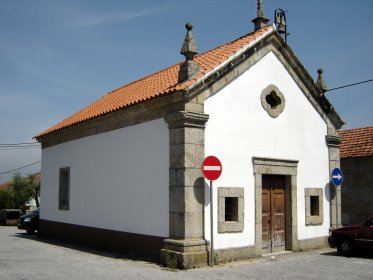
point(185, 253)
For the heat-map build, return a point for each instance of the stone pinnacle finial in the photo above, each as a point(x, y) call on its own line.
point(260, 21)
point(320, 83)
point(189, 48)
point(189, 68)
point(259, 8)
point(189, 26)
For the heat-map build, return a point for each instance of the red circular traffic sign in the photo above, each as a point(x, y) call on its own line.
point(212, 168)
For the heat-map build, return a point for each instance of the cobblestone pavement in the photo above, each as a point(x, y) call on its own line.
point(29, 257)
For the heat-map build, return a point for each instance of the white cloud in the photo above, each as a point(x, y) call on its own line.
point(86, 20)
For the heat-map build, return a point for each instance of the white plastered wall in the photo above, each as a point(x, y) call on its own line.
point(118, 180)
point(239, 129)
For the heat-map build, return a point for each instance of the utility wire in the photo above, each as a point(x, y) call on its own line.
point(20, 144)
point(10, 171)
point(24, 145)
point(350, 85)
point(17, 148)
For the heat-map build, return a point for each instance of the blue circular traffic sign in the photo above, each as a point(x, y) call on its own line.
point(337, 177)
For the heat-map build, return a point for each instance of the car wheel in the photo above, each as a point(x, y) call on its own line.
point(345, 247)
point(30, 231)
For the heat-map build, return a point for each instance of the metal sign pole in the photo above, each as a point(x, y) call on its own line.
point(211, 227)
point(336, 205)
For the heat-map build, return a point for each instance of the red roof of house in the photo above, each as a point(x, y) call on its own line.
point(160, 83)
point(356, 142)
point(5, 186)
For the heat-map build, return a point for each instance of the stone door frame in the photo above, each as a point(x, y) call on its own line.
point(287, 168)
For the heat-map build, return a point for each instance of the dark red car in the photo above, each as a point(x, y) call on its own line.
point(349, 239)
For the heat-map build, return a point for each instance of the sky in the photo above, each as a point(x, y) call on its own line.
point(58, 56)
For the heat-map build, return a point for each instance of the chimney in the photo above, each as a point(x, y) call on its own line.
point(189, 68)
point(260, 21)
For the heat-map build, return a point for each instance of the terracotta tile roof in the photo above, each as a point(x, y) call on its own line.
point(356, 142)
point(5, 186)
point(157, 84)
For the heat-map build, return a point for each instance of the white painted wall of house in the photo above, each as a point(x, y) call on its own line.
point(118, 180)
point(239, 129)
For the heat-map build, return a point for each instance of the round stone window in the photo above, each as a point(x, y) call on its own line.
point(273, 101)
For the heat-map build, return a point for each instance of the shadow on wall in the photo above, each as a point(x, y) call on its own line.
point(328, 193)
point(200, 190)
point(207, 192)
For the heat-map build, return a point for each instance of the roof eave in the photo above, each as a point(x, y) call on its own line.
point(337, 121)
point(228, 64)
point(209, 78)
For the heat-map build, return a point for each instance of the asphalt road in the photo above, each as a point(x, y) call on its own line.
point(30, 257)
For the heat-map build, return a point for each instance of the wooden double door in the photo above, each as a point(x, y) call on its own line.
point(273, 213)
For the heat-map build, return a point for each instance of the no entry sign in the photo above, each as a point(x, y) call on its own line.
point(212, 168)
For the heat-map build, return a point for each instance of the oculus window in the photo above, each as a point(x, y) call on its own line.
point(273, 101)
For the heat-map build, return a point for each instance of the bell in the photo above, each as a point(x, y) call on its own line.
point(281, 23)
point(281, 28)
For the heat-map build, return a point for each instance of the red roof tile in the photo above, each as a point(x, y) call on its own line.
point(356, 142)
point(157, 84)
point(5, 186)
